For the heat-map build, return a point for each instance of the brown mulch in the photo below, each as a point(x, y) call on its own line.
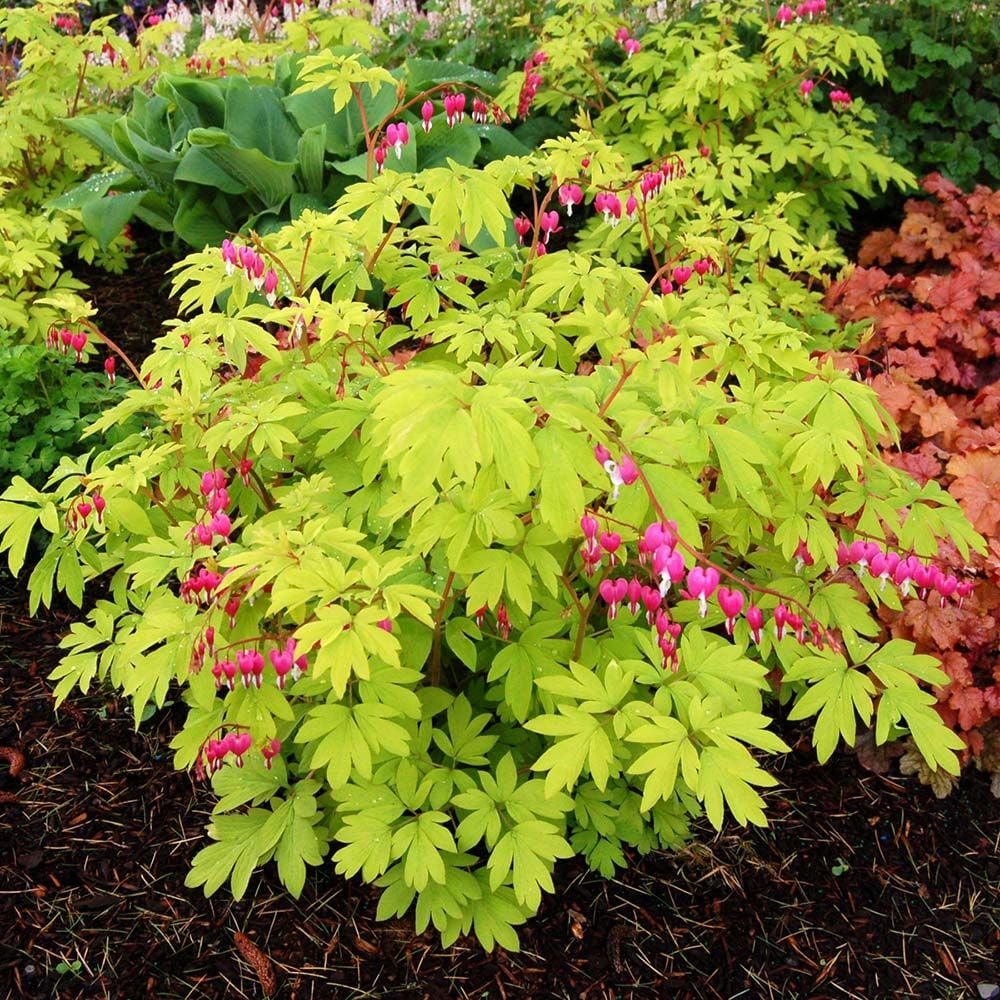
point(863, 887)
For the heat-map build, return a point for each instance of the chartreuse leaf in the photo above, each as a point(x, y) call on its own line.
point(254, 783)
point(491, 914)
point(526, 855)
point(304, 839)
point(671, 744)
point(244, 842)
point(420, 842)
point(738, 453)
point(464, 741)
point(838, 694)
point(367, 830)
point(494, 915)
point(16, 524)
point(561, 497)
point(727, 775)
point(582, 742)
point(897, 669)
point(346, 738)
point(837, 605)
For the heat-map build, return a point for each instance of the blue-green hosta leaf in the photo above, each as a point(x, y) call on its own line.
point(94, 188)
point(256, 119)
point(105, 219)
point(271, 180)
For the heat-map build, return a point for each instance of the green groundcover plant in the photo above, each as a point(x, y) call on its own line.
point(939, 104)
point(471, 550)
point(46, 402)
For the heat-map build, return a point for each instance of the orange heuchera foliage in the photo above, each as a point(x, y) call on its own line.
point(932, 294)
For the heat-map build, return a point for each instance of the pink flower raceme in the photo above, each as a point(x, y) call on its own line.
point(237, 744)
point(610, 541)
point(397, 135)
point(454, 109)
point(503, 622)
point(681, 276)
point(270, 286)
point(78, 341)
point(283, 661)
point(668, 565)
point(532, 81)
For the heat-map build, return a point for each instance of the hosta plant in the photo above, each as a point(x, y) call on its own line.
point(211, 154)
point(930, 293)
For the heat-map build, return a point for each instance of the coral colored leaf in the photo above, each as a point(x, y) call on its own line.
point(970, 704)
